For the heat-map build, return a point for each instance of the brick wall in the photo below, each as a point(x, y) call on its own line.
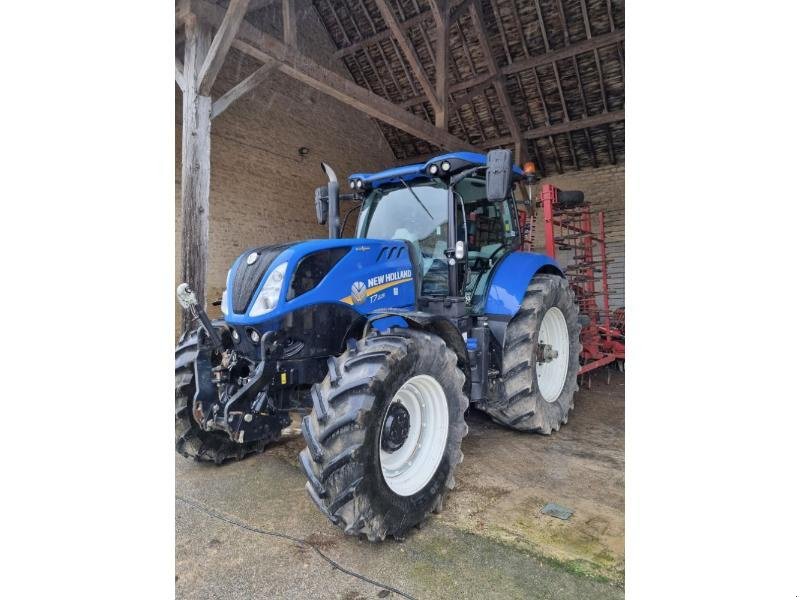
point(262, 191)
point(604, 188)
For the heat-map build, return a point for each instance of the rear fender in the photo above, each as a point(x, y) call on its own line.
point(507, 288)
point(510, 280)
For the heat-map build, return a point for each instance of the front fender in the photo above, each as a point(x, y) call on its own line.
point(511, 278)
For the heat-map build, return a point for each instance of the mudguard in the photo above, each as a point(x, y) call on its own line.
point(510, 280)
point(436, 324)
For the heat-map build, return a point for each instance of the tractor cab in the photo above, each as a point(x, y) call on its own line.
point(421, 203)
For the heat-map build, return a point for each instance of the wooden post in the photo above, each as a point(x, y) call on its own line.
point(442, 17)
point(196, 164)
point(289, 13)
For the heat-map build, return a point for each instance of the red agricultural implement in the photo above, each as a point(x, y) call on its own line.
point(570, 237)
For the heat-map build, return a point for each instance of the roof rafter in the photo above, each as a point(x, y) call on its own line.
point(292, 63)
point(574, 125)
point(499, 86)
point(418, 19)
point(408, 51)
point(289, 14)
point(573, 50)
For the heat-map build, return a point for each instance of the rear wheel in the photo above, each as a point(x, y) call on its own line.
point(384, 437)
point(540, 359)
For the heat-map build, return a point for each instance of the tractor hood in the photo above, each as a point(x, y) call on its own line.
point(366, 275)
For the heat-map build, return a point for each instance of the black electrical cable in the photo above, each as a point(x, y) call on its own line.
point(330, 561)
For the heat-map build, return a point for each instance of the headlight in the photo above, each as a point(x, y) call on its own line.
point(267, 298)
point(224, 306)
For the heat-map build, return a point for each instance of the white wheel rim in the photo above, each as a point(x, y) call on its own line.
point(552, 374)
point(410, 468)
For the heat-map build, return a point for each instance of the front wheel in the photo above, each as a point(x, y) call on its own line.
point(384, 438)
point(541, 355)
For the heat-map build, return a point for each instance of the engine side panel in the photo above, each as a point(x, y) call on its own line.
point(372, 275)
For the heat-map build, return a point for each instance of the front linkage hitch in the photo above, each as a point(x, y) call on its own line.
point(231, 390)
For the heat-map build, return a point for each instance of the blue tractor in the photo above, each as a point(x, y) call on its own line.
point(384, 340)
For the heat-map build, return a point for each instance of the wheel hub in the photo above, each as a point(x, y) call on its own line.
point(552, 354)
point(395, 428)
point(414, 435)
point(545, 353)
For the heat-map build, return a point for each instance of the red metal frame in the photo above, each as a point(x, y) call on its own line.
point(570, 228)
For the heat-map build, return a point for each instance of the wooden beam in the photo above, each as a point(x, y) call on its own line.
point(542, 29)
point(243, 87)
point(564, 107)
point(219, 47)
point(182, 12)
point(586, 25)
point(596, 42)
point(602, 119)
point(259, 4)
point(418, 19)
point(572, 152)
point(610, 139)
point(549, 130)
point(556, 156)
point(195, 164)
point(600, 80)
point(460, 10)
point(289, 23)
point(383, 35)
point(590, 144)
point(499, 86)
point(292, 63)
point(474, 85)
point(570, 51)
point(538, 159)
point(473, 93)
point(442, 52)
point(408, 52)
point(179, 78)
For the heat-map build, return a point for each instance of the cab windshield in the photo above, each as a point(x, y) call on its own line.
point(418, 214)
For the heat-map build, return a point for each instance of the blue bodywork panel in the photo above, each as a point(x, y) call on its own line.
point(365, 278)
point(409, 172)
point(384, 323)
point(510, 280)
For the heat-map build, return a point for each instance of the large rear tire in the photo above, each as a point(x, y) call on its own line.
point(536, 391)
point(384, 438)
point(191, 441)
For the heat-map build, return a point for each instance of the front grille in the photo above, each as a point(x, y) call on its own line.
point(247, 277)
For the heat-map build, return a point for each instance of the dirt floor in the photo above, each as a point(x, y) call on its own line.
point(491, 541)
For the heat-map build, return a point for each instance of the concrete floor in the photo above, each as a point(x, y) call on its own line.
point(491, 541)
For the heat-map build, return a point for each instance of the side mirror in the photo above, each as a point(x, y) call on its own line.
point(498, 175)
point(321, 204)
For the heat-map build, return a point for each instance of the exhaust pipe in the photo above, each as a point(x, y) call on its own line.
point(333, 202)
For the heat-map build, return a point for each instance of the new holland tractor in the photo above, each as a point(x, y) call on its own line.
point(384, 340)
